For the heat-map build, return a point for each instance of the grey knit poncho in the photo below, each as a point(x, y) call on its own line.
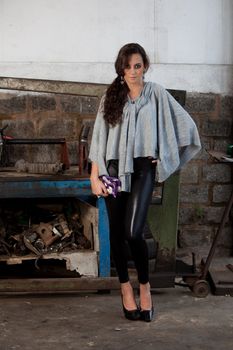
point(153, 125)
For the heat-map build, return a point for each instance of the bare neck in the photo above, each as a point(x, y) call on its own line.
point(135, 90)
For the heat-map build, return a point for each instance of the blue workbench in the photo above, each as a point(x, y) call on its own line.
point(57, 187)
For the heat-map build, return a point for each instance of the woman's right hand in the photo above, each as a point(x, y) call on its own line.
point(98, 188)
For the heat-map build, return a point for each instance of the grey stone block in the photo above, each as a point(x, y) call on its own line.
point(45, 153)
point(217, 173)
point(57, 127)
point(213, 214)
point(187, 216)
point(200, 103)
point(198, 214)
point(216, 128)
point(89, 105)
point(194, 193)
point(189, 174)
point(12, 105)
point(227, 106)
point(221, 193)
point(71, 104)
point(42, 102)
point(221, 145)
point(20, 128)
point(189, 237)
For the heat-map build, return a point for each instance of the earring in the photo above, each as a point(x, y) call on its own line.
point(122, 80)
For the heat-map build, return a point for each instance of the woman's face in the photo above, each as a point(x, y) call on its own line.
point(133, 73)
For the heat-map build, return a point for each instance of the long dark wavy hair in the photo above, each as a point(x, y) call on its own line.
point(116, 94)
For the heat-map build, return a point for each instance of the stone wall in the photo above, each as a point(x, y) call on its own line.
point(40, 115)
point(205, 184)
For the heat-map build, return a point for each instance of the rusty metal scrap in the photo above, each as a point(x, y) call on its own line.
point(47, 233)
point(21, 233)
point(4, 247)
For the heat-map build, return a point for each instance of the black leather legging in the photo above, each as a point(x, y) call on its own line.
point(127, 216)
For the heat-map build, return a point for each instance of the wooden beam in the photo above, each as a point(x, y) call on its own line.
point(53, 86)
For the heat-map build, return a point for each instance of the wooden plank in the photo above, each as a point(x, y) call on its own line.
point(84, 262)
point(37, 285)
point(10, 174)
point(89, 219)
point(16, 259)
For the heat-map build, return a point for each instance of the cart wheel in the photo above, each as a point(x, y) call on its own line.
point(190, 281)
point(201, 288)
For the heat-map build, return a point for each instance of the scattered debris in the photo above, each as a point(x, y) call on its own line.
point(41, 231)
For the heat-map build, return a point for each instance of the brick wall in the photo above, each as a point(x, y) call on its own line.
point(205, 185)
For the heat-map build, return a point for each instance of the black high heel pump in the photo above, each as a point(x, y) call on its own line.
point(147, 315)
point(132, 315)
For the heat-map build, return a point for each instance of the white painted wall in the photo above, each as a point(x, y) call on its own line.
point(190, 43)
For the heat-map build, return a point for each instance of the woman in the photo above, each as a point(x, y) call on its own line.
point(140, 133)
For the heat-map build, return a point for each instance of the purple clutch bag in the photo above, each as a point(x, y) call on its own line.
point(113, 184)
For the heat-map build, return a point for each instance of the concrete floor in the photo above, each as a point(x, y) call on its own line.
point(85, 321)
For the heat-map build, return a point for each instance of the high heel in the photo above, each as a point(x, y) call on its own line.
point(147, 315)
point(132, 315)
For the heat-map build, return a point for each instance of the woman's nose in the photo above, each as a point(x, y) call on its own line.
point(132, 70)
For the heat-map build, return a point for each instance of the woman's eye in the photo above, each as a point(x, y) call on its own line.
point(138, 66)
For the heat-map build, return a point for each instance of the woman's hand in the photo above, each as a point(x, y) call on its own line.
point(98, 188)
point(153, 160)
